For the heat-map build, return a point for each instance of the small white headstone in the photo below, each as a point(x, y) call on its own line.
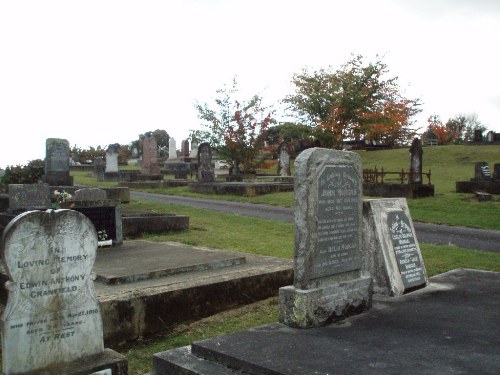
point(52, 315)
point(172, 152)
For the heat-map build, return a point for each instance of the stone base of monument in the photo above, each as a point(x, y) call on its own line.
point(113, 362)
point(398, 190)
point(306, 308)
point(241, 188)
point(136, 224)
point(451, 327)
point(153, 184)
point(492, 187)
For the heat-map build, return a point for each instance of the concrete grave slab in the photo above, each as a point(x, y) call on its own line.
point(450, 327)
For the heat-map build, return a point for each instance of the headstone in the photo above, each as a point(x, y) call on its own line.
point(205, 169)
point(150, 156)
point(194, 149)
point(496, 171)
point(234, 172)
point(25, 197)
point(284, 159)
point(185, 148)
point(57, 163)
point(392, 253)
point(90, 194)
point(478, 136)
point(328, 284)
point(416, 152)
point(490, 136)
point(112, 159)
point(482, 171)
point(52, 315)
point(172, 151)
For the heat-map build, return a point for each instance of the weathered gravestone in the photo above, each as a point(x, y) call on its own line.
point(52, 317)
point(90, 194)
point(205, 169)
point(284, 159)
point(496, 171)
point(57, 163)
point(392, 254)
point(194, 149)
point(24, 197)
point(328, 284)
point(112, 159)
point(150, 156)
point(416, 153)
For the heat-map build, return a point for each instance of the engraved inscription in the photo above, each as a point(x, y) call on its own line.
point(337, 247)
point(405, 249)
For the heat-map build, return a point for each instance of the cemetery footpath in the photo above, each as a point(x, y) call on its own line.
point(463, 237)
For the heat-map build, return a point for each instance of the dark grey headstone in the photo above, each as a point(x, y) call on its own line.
point(205, 169)
point(150, 156)
point(496, 171)
point(57, 155)
point(284, 159)
point(416, 153)
point(406, 250)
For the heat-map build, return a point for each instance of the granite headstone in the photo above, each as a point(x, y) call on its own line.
point(416, 153)
point(57, 163)
point(284, 159)
point(205, 169)
point(150, 156)
point(328, 284)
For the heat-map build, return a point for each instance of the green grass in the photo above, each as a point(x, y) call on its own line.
point(224, 231)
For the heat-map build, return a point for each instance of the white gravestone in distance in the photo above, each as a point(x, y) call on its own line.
point(172, 152)
point(52, 315)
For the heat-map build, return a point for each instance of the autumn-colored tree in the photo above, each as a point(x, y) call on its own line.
point(354, 101)
point(235, 129)
point(442, 133)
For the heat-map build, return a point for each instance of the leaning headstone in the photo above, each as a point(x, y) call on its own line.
point(57, 163)
point(52, 317)
point(150, 156)
point(416, 153)
point(284, 159)
point(112, 159)
point(392, 254)
point(172, 151)
point(205, 169)
point(25, 197)
point(328, 284)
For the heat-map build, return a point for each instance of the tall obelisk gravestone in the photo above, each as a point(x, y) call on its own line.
point(328, 284)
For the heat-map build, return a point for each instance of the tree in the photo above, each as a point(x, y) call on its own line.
point(235, 129)
point(352, 102)
point(471, 125)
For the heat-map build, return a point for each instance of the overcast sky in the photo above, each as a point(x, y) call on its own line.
point(103, 72)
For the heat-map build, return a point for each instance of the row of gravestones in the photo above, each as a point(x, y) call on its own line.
point(104, 213)
point(52, 316)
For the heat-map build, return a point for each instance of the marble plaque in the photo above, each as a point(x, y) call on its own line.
point(405, 249)
point(337, 243)
point(52, 315)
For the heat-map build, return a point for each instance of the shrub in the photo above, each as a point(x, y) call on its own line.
point(30, 173)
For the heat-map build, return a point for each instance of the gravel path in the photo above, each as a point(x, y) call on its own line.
point(467, 238)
